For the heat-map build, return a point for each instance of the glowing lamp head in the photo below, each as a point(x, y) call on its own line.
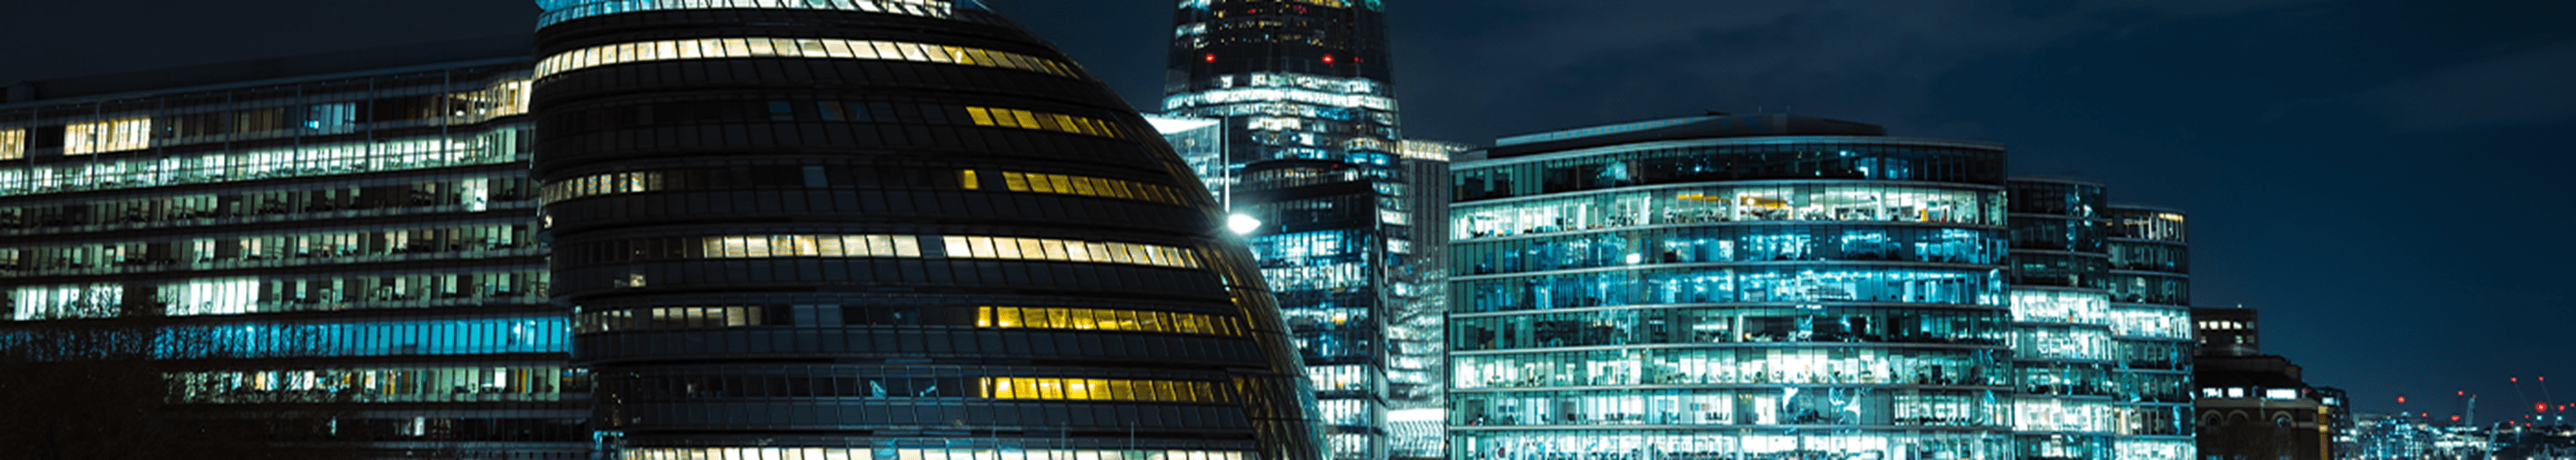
point(1242, 224)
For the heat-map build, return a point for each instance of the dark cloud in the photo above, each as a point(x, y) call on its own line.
point(2526, 87)
point(1541, 64)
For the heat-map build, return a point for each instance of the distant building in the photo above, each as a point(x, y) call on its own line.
point(1309, 157)
point(1766, 286)
point(2257, 406)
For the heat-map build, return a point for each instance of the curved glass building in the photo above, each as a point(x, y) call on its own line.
point(889, 229)
point(1721, 286)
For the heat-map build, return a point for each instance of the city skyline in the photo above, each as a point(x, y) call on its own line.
point(2301, 133)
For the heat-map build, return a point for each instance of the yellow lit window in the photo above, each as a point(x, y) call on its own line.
point(1048, 388)
point(107, 136)
point(1023, 119)
point(829, 48)
point(13, 144)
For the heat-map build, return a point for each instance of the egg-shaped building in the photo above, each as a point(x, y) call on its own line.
point(833, 228)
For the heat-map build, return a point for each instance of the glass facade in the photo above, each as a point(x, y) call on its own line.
point(891, 229)
point(2149, 281)
point(2102, 375)
point(1306, 147)
point(1671, 299)
point(352, 259)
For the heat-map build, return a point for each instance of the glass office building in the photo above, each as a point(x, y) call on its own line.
point(1306, 84)
point(2103, 374)
point(2062, 323)
point(899, 229)
point(343, 246)
point(1719, 286)
point(2149, 283)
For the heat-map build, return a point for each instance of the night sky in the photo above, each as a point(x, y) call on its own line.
point(2378, 176)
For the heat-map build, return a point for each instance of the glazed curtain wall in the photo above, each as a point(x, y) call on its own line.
point(1754, 202)
point(1737, 160)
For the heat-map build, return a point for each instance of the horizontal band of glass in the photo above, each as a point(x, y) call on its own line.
point(303, 249)
point(1842, 242)
point(1857, 202)
point(1072, 389)
point(1704, 161)
point(276, 203)
point(958, 247)
point(1701, 443)
point(423, 337)
point(603, 184)
point(13, 144)
point(810, 48)
point(861, 453)
point(1023, 119)
point(378, 385)
point(1741, 366)
point(1106, 320)
point(2056, 342)
point(2054, 306)
point(1079, 185)
point(987, 247)
point(560, 11)
point(107, 136)
point(2040, 413)
point(1755, 284)
point(1748, 407)
point(1848, 326)
point(276, 294)
point(669, 318)
point(496, 147)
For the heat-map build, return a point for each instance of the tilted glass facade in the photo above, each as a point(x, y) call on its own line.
point(1780, 296)
point(890, 229)
point(1307, 147)
point(349, 262)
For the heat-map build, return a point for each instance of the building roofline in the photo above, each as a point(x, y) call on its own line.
point(499, 49)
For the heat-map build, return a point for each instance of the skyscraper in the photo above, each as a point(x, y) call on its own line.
point(1767, 286)
point(891, 228)
point(1311, 161)
point(324, 256)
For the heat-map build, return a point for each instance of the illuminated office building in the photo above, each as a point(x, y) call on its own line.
point(1310, 157)
point(1767, 286)
point(2151, 329)
point(2100, 378)
point(889, 229)
point(353, 235)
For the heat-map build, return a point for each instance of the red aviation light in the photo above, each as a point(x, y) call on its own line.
point(1328, 59)
point(2401, 399)
point(1211, 57)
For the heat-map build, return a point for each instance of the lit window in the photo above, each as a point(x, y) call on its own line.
point(1085, 186)
point(13, 144)
point(1023, 119)
point(107, 136)
point(1051, 388)
point(827, 48)
point(1105, 319)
